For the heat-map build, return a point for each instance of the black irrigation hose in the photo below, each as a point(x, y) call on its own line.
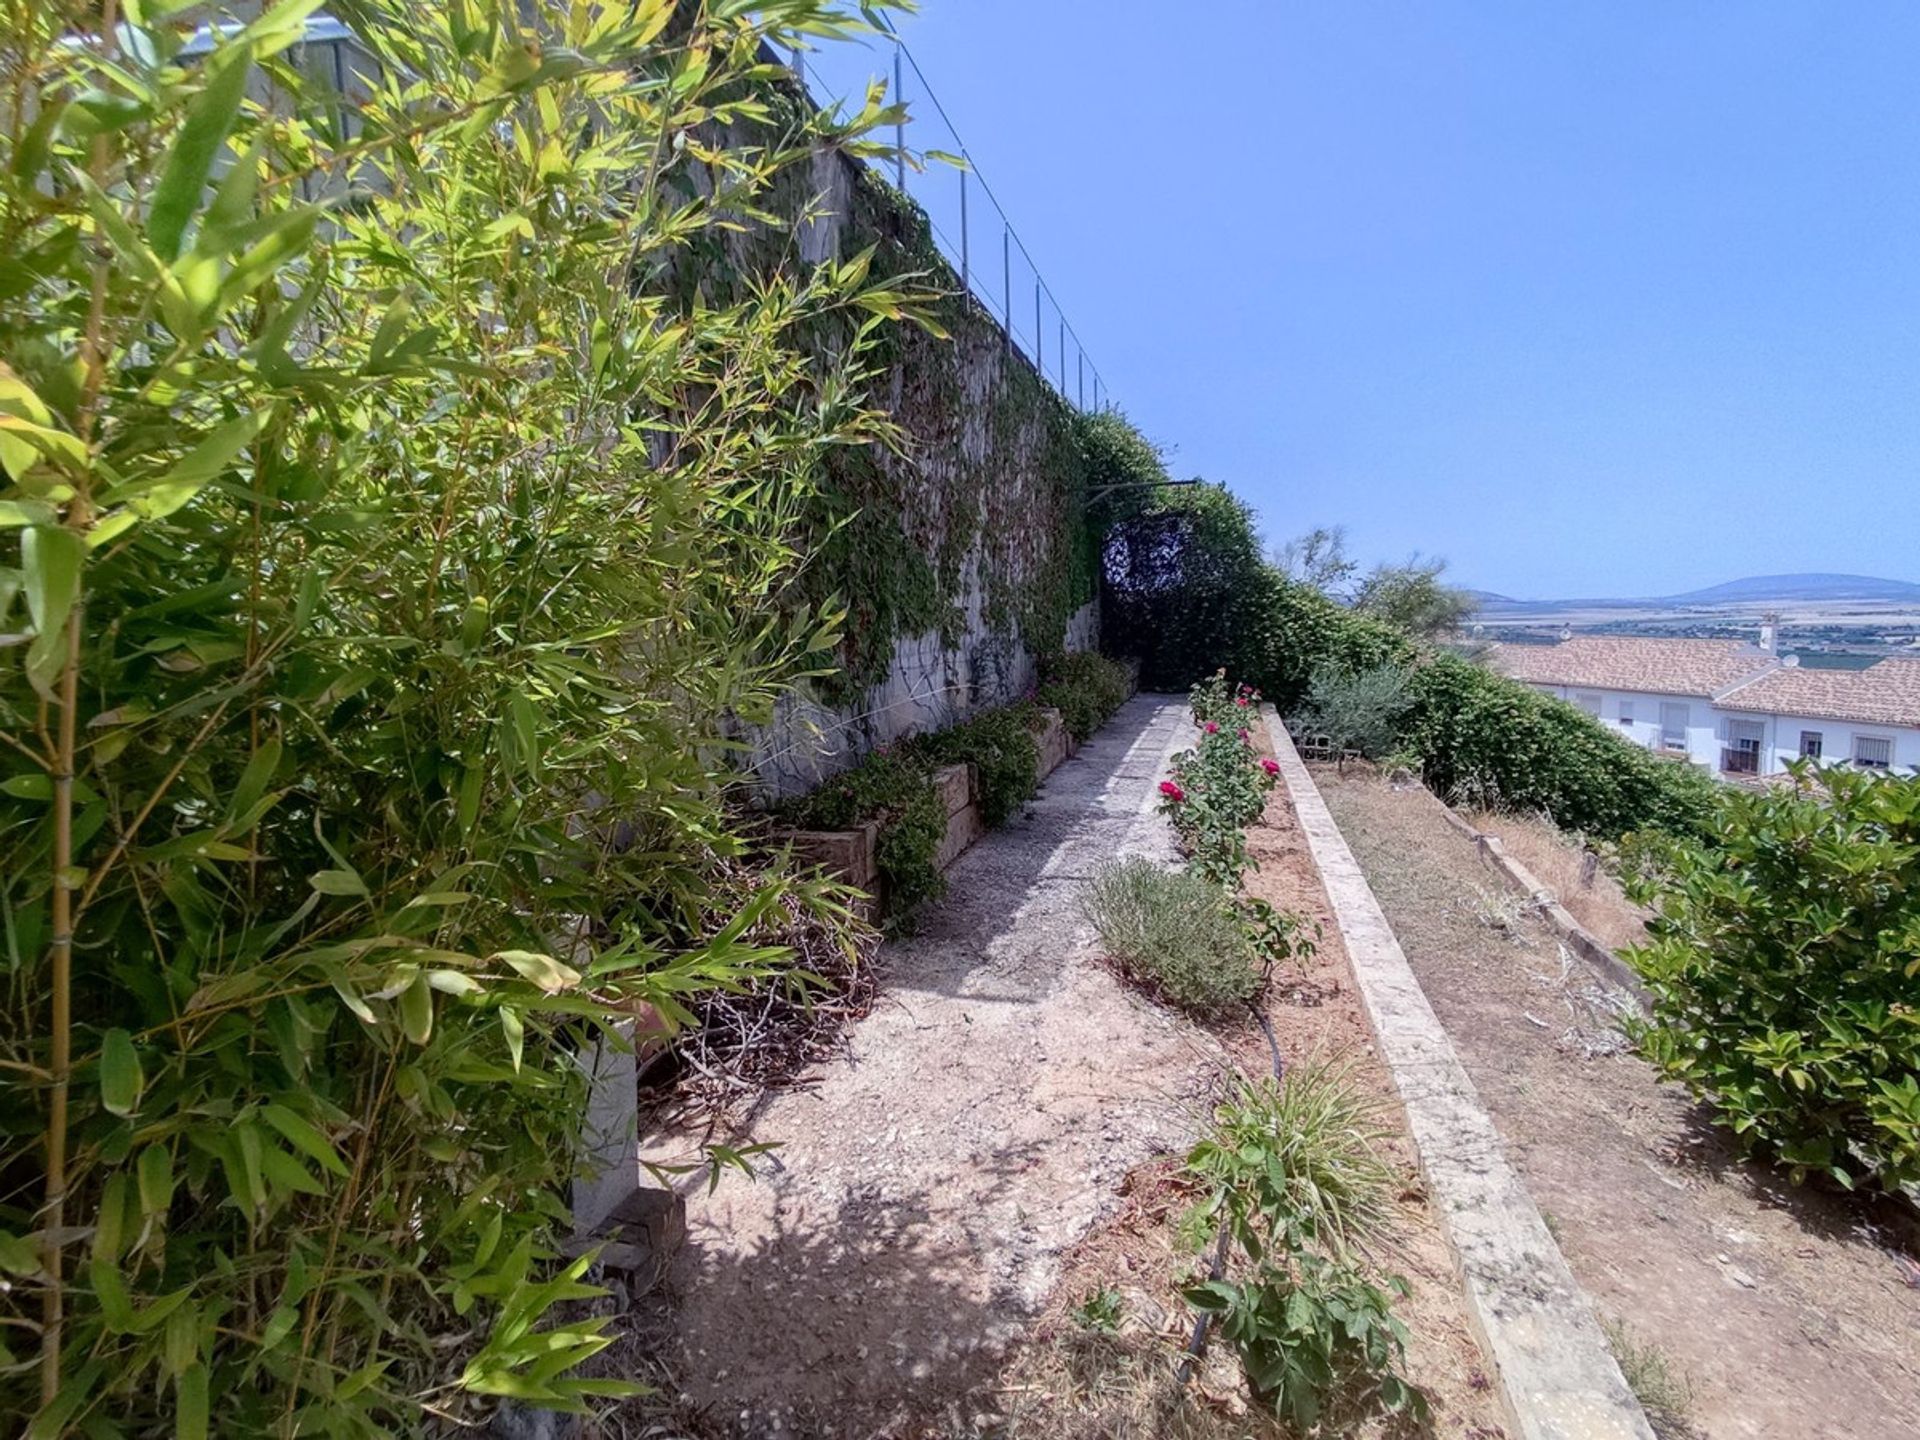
point(1197, 1346)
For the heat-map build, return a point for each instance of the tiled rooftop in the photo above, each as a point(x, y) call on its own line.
point(1887, 693)
point(1637, 663)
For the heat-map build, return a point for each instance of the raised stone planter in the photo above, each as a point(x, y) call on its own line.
point(1053, 741)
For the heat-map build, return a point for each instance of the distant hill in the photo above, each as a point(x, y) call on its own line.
point(1753, 590)
point(1799, 587)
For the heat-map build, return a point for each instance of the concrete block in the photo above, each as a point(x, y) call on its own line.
point(847, 854)
point(607, 1168)
point(1052, 741)
point(955, 784)
point(962, 830)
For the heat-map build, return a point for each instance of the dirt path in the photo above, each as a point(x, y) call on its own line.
point(1785, 1307)
point(927, 1184)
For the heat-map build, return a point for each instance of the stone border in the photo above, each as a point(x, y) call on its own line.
point(1581, 941)
point(1558, 1380)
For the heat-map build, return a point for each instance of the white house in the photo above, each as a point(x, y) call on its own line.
point(1735, 708)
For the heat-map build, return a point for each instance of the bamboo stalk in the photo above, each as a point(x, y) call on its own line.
point(79, 518)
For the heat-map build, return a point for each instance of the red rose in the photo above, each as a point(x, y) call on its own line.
point(1270, 766)
point(1241, 701)
point(1212, 729)
point(1172, 791)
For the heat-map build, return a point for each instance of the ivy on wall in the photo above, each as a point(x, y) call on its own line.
point(980, 500)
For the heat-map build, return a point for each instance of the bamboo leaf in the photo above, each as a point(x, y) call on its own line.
point(515, 1030)
point(209, 119)
point(543, 970)
point(416, 1010)
point(121, 1080)
point(164, 494)
point(50, 558)
point(304, 1136)
point(190, 1402)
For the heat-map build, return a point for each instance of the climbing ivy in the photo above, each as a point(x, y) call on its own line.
point(978, 496)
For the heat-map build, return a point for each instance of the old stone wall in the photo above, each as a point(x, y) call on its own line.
point(963, 558)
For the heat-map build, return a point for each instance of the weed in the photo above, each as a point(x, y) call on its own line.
point(1101, 1312)
point(1174, 931)
point(1660, 1386)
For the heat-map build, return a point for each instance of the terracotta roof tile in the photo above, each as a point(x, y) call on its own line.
point(1635, 662)
point(1885, 693)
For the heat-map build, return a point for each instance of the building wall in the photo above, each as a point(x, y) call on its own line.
point(1636, 716)
point(985, 491)
point(1782, 739)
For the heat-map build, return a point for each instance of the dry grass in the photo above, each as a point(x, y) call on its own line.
point(1562, 864)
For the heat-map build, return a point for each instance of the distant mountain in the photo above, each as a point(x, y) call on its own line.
point(1799, 587)
point(1754, 590)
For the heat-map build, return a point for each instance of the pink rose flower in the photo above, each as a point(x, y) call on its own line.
point(1212, 728)
point(1172, 791)
point(1270, 766)
point(1244, 735)
point(1241, 701)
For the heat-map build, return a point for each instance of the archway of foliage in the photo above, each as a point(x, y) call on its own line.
point(1187, 588)
point(381, 532)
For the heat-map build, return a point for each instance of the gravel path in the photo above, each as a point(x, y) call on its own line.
point(927, 1184)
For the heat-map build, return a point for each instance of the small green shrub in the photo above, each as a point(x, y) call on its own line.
point(1359, 710)
point(1101, 1312)
point(1085, 688)
point(1294, 1180)
point(1219, 787)
point(1782, 969)
point(1002, 748)
point(898, 789)
point(1175, 931)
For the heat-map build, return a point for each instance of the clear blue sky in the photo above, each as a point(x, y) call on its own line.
point(1590, 298)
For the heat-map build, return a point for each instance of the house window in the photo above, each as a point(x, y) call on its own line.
point(1673, 727)
point(1741, 755)
point(1872, 752)
point(1626, 712)
point(1810, 744)
point(1587, 701)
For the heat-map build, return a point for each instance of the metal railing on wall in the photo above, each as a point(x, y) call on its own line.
point(978, 238)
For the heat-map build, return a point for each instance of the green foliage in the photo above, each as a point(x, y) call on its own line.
point(1101, 1312)
point(894, 786)
point(1188, 591)
point(1085, 688)
point(1002, 747)
point(1783, 968)
point(1413, 600)
point(1176, 932)
point(1356, 710)
point(1293, 1179)
point(1489, 738)
point(1219, 787)
point(398, 548)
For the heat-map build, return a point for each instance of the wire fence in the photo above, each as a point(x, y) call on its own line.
point(976, 235)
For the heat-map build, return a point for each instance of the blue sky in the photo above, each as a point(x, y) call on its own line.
point(1590, 298)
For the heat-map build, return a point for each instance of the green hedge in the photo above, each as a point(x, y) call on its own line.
point(1085, 688)
point(1490, 737)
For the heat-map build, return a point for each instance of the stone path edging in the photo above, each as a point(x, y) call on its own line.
point(1557, 1378)
point(1588, 946)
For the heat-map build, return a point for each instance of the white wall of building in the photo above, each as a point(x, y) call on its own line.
point(1708, 729)
point(1646, 719)
point(1782, 739)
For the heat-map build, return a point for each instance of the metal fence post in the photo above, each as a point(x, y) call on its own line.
point(900, 126)
point(1061, 361)
point(965, 254)
point(1080, 376)
point(1006, 281)
point(1039, 331)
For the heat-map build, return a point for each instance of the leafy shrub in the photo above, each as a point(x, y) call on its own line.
point(1294, 1180)
point(1506, 743)
point(894, 786)
point(1085, 688)
point(1356, 710)
point(394, 566)
point(1002, 748)
point(1174, 931)
point(1782, 972)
